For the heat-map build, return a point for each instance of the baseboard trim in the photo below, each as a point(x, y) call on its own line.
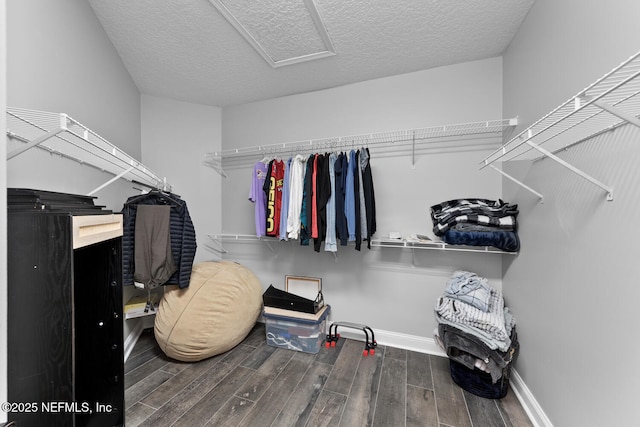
point(528, 401)
point(398, 340)
point(132, 338)
point(142, 323)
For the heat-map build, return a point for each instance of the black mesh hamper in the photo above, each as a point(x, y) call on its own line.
point(478, 382)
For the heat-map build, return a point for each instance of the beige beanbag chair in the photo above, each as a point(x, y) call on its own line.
point(212, 315)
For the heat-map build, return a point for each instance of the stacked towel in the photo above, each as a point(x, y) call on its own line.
point(474, 326)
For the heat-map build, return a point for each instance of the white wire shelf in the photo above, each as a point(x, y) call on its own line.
point(489, 133)
point(59, 134)
point(441, 246)
point(606, 104)
point(382, 243)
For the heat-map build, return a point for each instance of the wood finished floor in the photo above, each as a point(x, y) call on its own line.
point(258, 385)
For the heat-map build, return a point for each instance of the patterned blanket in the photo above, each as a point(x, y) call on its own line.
point(490, 213)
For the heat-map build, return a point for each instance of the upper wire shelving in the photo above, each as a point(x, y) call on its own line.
point(59, 134)
point(606, 104)
point(408, 141)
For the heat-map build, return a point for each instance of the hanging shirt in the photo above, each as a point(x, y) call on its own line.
point(273, 190)
point(314, 198)
point(356, 198)
point(364, 160)
point(305, 216)
point(340, 169)
point(323, 188)
point(369, 199)
point(296, 191)
point(257, 196)
point(349, 198)
point(284, 209)
point(330, 239)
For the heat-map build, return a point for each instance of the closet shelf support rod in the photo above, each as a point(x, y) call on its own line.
point(31, 144)
point(573, 169)
point(618, 113)
point(520, 183)
point(111, 181)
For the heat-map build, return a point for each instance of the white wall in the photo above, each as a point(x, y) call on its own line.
point(3, 213)
point(59, 59)
point(376, 287)
point(175, 137)
point(572, 286)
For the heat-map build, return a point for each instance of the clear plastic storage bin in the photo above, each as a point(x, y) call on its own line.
point(296, 334)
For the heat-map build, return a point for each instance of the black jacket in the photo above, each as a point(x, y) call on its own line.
point(183, 236)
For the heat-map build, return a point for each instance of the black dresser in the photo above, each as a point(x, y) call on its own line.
point(65, 327)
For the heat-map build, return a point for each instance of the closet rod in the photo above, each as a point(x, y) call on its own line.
point(392, 137)
point(59, 134)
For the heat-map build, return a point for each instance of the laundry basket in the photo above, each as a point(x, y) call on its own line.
point(478, 382)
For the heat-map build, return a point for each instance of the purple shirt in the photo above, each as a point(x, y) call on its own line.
point(257, 196)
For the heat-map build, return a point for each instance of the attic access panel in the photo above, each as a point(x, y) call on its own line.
point(283, 33)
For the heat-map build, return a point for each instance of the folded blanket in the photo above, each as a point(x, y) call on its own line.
point(484, 212)
point(505, 240)
point(492, 322)
point(470, 288)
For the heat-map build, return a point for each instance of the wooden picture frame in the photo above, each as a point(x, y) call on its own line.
point(306, 287)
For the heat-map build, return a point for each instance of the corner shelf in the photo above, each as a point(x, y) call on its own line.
point(59, 134)
point(606, 104)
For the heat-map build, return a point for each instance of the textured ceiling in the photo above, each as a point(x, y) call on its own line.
point(186, 49)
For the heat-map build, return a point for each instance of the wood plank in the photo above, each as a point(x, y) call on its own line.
point(145, 341)
point(169, 390)
point(421, 407)
point(231, 413)
point(258, 356)
point(391, 404)
point(452, 409)
point(265, 375)
point(159, 362)
point(327, 410)
point(345, 367)
point(395, 353)
point(137, 413)
point(141, 358)
point(139, 390)
point(512, 411)
point(483, 412)
point(330, 355)
point(143, 371)
point(298, 408)
point(360, 405)
point(419, 370)
point(216, 398)
point(265, 411)
point(257, 336)
point(189, 396)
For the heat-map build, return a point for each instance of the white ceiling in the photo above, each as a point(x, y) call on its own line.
point(188, 51)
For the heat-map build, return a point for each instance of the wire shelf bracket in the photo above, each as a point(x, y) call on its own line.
point(609, 102)
point(219, 238)
point(58, 133)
